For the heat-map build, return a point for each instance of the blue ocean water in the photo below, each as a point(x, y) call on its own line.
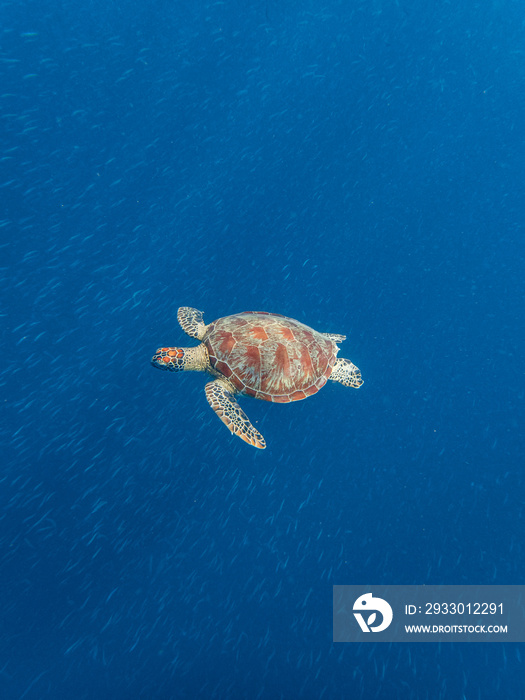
point(358, 166)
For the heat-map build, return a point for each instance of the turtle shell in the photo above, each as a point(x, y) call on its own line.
point(269, 356)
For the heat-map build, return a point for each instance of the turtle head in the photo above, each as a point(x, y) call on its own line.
point(181, 359)
point(169, 358)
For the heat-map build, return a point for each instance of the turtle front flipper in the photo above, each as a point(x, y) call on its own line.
point(223, 402)
point(191, 322)
point(346, 373)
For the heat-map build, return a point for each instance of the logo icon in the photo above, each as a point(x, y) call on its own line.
point(368, 603)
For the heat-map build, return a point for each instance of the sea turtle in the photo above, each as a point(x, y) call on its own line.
point(259, 354)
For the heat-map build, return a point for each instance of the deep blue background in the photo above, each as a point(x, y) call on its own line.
point(359, 166)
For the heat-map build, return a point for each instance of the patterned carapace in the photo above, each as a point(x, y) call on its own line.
point(270, 357)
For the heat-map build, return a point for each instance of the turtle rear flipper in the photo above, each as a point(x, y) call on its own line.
point(346, 373)
point(223, 402)
point(336, 337)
